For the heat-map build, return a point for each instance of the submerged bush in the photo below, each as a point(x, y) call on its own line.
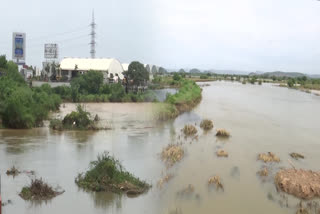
point(79, 119)
point(222, 133)
point(38, 190)
point(107, 174)
point(206, 125)
point(172, 154)
point(189, 130)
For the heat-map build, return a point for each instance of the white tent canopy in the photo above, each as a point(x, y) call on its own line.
point(106, 65)
point(125, 66)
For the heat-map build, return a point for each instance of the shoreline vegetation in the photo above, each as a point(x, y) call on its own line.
point(23, 106)
point(106, 174)
point(188, 96)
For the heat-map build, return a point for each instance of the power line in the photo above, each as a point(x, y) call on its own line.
point(51, 36)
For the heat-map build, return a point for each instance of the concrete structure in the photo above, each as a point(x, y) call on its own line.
point(108, 66)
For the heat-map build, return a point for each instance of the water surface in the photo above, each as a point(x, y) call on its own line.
point(260, 119)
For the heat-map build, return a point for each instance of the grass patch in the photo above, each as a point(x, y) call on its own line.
point(269, 157)
point(189, 130)
point(222, 153)
point(165, 111)
point(188, 96)
point(107, 174)
point(206, 125)
point(172, 154)
point(38, 190)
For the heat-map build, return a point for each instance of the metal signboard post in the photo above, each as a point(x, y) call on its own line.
point(19, 48)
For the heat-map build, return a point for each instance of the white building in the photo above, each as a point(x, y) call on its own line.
point(108, 66)
point(125, 66)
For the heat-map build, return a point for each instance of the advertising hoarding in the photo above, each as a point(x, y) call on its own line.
point(51, 51)
point(19, 47)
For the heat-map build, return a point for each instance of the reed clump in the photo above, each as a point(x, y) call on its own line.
point(222, 133)
point(269, 157)
point(216, 181)
point(206, 125)
point(189, 130)
point(172, 154)
point(222, 153)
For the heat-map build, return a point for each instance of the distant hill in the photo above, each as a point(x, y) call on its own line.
point(195, 70)
point(216, 71)
point(315, 76)
point(283, 74)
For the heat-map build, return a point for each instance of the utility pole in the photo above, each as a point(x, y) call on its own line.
point(93, 37)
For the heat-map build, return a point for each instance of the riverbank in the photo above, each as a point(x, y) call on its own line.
point(300, 88)
point(188, 96)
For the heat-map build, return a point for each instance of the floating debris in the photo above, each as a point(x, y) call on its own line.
point(38, 190)
point(164, 180)
point(270, 157)
point(206, 125)
point(264, 172)
point(217, 181)
point(13, 171)
point(222, 153)
point(189, 130)
point(222, 133)
point(172, 154)
point(296, 155)
point(304, 184)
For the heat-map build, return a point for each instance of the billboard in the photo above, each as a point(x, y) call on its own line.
point(51, 51)
point(19, 47)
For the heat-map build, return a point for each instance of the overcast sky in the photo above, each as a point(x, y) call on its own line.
point(249, 35)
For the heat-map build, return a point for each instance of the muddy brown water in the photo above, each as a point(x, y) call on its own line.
point(259, 118)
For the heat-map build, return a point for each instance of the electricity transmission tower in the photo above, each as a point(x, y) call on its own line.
point(93, 37)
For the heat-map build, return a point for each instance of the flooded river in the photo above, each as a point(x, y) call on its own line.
point(260, 118)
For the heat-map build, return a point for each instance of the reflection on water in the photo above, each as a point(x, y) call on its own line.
point(106, 201)
point(259, 118)
point(161, 94)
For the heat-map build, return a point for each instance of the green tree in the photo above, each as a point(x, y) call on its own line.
point(3, 62)
point(176, 77)
point(117, 92)
point(291, 82)
point(138, 73)
point(88, 83)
